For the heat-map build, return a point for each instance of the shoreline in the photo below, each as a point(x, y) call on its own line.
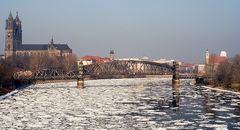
point(210, 87)
point(221, 89)
point(8, 94)
point(4, 91)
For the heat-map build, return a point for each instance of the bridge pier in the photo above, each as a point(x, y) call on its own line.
point(175, 78)
point(80, 83)
point(80, 76)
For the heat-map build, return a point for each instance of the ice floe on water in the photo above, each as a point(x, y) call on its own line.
point(219, 109)
point(119, 104)
point(215, 126)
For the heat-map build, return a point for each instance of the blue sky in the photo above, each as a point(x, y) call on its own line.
point(178, 29)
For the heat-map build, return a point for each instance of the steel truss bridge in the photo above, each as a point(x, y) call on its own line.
point(113, 69)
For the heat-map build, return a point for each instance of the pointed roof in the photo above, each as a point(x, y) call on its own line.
point(52, 41)
point(51, 45)
point(17, 18)
point(10, 16)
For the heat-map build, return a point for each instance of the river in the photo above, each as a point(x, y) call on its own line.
point(120, 104)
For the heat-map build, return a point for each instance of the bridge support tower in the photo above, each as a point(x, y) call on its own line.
point(175, 78)
point(80, 76)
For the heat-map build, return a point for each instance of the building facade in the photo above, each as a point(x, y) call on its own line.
point(14, 46)
point(87, 60)
point(212, 61)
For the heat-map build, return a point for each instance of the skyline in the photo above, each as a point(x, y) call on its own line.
point(181, 30)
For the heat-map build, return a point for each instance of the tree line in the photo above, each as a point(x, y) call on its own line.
point(34, 63)
point(228, 74)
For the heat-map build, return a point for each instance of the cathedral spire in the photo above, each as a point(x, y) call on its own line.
point(9, 21)
point(17, 18)
point(10, 16)
point(52, 41)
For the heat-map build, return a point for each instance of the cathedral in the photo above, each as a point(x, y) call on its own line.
point(14, 46)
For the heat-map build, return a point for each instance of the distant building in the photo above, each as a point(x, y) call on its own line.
point(87, 60)
point(111, 54)
point(14, 46)
point(217, 59)
point(187, 68)
point(207, 56)
point(124, 59)
point(212, 61)
point(164, 61)
point(145, 58)
point(223, 54)
point(200, 68)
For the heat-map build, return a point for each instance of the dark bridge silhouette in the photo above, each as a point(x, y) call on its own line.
point(113, 69)
point(127, 68)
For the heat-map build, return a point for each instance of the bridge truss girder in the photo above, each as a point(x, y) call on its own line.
point(128, 68)
point(107, 69)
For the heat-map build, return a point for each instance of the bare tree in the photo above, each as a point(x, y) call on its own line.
point(38, 62)
point(236, 69)
point(228, 73)
point(69, 63)
point(6, 70)
point(223, 75)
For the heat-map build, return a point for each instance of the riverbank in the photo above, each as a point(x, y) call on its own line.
point(11, 86)
point(4, 91)
point(221, 89)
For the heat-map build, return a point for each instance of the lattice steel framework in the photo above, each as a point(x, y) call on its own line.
point(49, 74)
point(128, 67)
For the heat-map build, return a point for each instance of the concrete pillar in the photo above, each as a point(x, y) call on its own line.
point(80, 77)
point(193, 82)
point(175, 95)
point(199, 80)
point(175, 79)
point(80, 83)
point(176, 82)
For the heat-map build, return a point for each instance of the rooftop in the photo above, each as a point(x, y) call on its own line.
point(42, 47)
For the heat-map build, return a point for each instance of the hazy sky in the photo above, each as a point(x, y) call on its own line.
point(178, 29)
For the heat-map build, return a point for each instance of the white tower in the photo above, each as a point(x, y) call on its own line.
point(207, 56)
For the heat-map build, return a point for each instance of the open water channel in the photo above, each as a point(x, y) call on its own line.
point(120, 104)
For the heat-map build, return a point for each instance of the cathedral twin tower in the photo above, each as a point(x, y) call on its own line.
point(15, 47)
point(13, 35)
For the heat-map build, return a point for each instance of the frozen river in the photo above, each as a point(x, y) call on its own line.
point(120, 104)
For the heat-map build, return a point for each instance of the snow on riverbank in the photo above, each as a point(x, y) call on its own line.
point(8, 94)
point(221, 90)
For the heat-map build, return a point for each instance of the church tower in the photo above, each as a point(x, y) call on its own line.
point(18, 31)
point(207, 56)
point(13, 35)
point(9, 43)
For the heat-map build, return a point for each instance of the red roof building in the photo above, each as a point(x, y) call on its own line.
point(187, 68)
point(187, 65)
point(96, 59)
point(215, 59)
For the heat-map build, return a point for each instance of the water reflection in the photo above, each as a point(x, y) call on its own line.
point(175, 96)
